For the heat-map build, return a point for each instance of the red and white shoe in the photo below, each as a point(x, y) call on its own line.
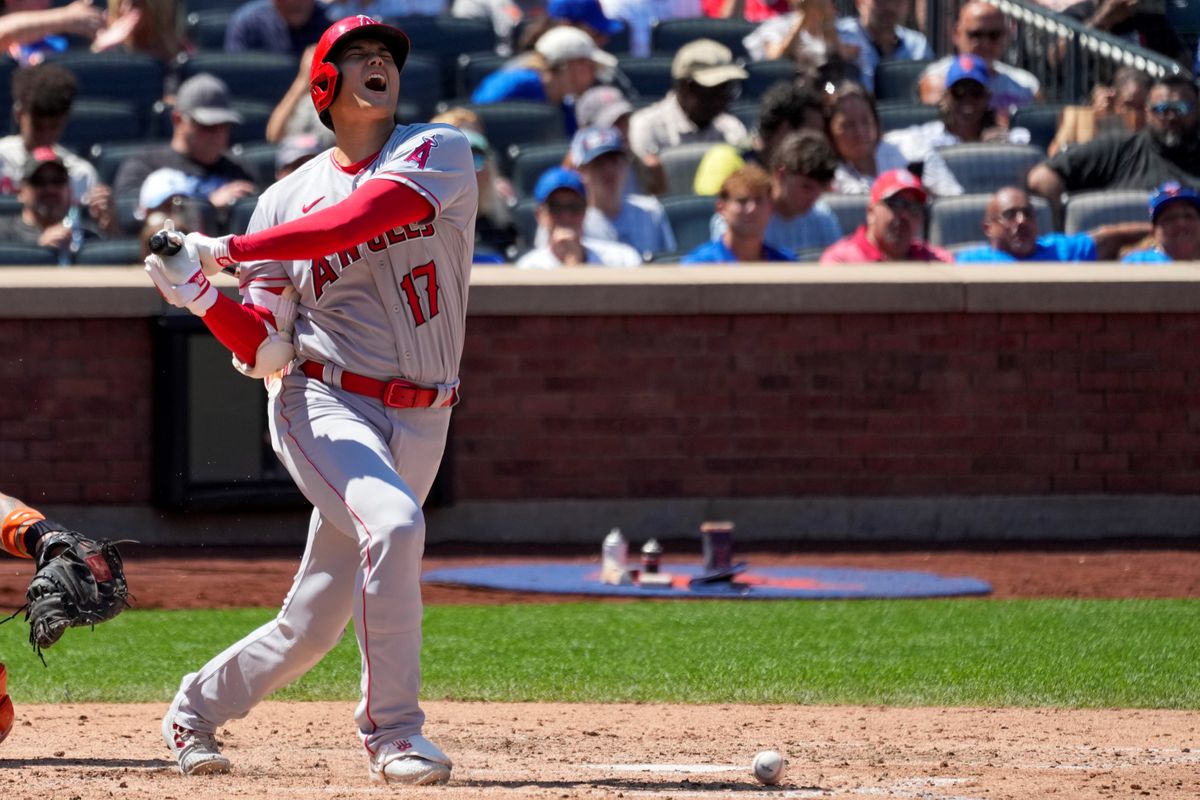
point(412, 760)
point(196, 752)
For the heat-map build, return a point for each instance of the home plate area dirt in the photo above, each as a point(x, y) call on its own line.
point(287, 751)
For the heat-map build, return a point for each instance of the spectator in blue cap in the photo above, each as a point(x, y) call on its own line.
point(1175, 217)
point(562, 204)
point(966, 115)
point(612, 215)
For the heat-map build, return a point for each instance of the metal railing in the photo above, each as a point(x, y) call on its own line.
point(1066, 56)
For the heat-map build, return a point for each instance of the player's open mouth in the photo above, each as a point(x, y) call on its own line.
point(376, 82)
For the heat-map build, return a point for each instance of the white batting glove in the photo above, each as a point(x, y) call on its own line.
point(213, 253)
point(193, 292)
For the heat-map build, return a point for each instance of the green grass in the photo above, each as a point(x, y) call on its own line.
point(1096, 653)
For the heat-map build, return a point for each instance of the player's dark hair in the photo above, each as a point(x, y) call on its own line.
point(44, 90)
point(786, 103)
point(806, 153)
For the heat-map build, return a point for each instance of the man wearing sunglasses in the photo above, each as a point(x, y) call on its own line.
point(895, 220)
point(1167, 149)
point(1011, 226)
point(45, 195)
point(982, 31)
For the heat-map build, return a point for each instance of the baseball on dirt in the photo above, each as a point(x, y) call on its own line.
point(768, 767)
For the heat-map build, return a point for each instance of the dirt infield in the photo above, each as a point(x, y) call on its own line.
point(309, 750)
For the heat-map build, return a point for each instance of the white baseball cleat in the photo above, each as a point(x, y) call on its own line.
point(412, 760)
point(196, 752)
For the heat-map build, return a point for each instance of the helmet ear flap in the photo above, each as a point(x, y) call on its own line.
point(323, 85)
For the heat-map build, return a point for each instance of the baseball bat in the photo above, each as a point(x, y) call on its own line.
point(166, 243)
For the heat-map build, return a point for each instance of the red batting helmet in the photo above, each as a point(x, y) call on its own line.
point(323, 77)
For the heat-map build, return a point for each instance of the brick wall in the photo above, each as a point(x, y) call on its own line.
point(893, 404)
point(75, 410)
point(829, 404)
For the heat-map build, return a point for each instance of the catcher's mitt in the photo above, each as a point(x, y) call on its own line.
point(79, 581)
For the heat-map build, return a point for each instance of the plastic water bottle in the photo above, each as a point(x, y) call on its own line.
point(73, 222)
point(613, 555)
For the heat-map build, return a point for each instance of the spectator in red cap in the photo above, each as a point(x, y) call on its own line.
point(47, 215)
point(895, 218)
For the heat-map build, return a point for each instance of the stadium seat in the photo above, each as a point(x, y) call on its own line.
point(7, 68)
point(1087, 210)
point(243, 210)
point(959, 220)
point(668, 35)
point(1041, 120)
point(680, 163)
point(525, 218)
point(131, 78)
point(255, 115)
point(252, 75)
point(618, 43)
point(810, 255)
point(421, 83)
point(259, 158)
point(764, 75)
point(206, 29)
point(530, 161)
point(93, 121)
point(107, 157)
point(690, 217)
point(214, 5)
point(444, 39)
point(747, 111)
point(897, 114)
point(472, 68)
point(649, 77)
point(897, 80)
point(850, 210)
point(520, 123)
point(125, 251)
point(25, 255)
point(985, 167)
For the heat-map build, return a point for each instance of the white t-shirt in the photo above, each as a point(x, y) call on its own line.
point(937, 177)
point(599, 254)
point(13, 156)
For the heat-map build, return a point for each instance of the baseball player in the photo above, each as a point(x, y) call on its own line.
point(375, 236)
point(77, 581)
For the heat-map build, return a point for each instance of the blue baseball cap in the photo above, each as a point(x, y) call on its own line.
point(557, 178)
point(1170, 192)
point(587, 12)
point(968, 67)
point(590, 143)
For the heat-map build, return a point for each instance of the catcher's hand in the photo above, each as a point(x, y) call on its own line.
point(79, 581)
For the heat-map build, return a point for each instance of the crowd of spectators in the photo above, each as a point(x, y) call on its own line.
point(811, 168)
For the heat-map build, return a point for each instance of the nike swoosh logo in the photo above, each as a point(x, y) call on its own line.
point(309, 207)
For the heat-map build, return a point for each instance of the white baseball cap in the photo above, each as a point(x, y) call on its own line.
point(564, 43)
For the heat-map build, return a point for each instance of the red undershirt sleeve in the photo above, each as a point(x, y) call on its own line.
point(376, 206)
point(236, 326)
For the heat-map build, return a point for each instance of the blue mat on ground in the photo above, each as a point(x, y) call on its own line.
point(767, 583)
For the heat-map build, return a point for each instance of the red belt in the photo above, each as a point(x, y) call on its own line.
point(394, 393)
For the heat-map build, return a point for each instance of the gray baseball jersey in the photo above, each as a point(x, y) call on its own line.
point(394, 306)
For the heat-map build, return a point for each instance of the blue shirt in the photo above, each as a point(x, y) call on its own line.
point(1051, 247)
point(258, 26)
point(519, 84)
point(912, 47)
point(717, 253)
point(1150, 256)
point(818, 227)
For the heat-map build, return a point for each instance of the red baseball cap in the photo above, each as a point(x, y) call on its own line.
point(894, 181)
